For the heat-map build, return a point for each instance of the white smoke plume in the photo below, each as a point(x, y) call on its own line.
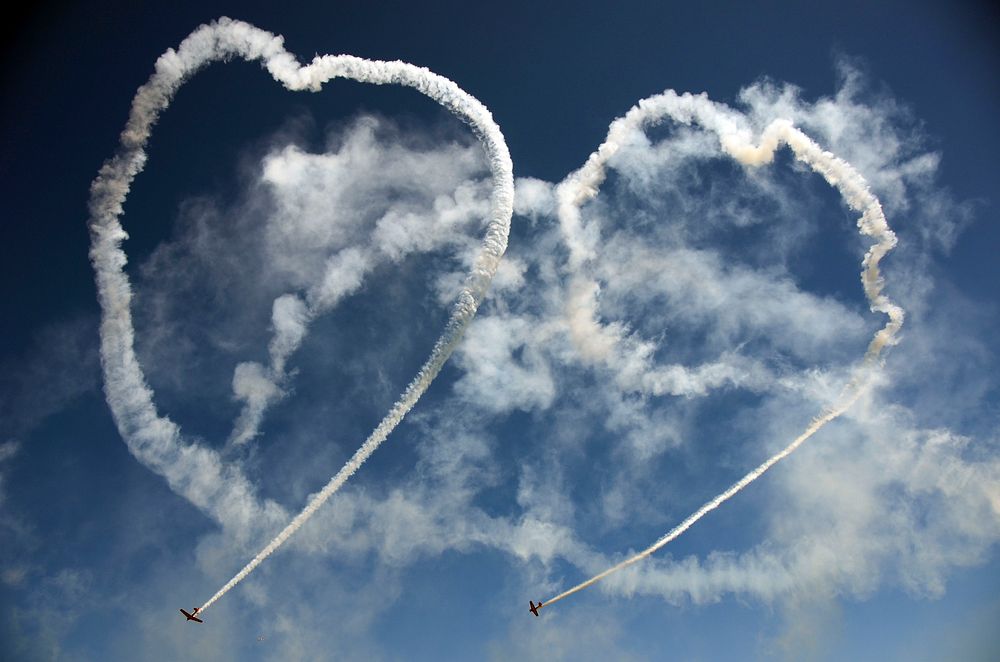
point(317, 198)
point(735, 138)
point(191, 469)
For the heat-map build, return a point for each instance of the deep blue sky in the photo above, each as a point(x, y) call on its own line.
point(92, 538)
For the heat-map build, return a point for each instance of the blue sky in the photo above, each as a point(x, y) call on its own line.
point(592, 404)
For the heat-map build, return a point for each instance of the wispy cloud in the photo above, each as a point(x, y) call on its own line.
point(689, 323)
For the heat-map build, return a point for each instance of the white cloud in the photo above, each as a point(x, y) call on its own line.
point(503, 368)
point(584, 415)
point(852, 513)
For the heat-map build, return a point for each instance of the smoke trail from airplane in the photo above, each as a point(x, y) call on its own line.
point(735, 139)
point(157, 439)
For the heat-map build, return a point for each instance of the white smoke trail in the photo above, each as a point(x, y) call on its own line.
point(157, 439)
point(735, 139)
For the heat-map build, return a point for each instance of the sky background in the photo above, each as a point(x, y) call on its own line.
point(731, 297)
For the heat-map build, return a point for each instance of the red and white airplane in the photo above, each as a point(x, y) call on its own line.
point(533, 608)
point(192, 617)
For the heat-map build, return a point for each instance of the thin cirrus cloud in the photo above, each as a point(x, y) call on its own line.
point(617, 373)
point(191, 468)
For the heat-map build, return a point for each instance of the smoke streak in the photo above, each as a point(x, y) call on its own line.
point(193, 470)
point(735, 139)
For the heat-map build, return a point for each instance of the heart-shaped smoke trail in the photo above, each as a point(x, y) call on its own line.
point(735, 138)
point(157, 439)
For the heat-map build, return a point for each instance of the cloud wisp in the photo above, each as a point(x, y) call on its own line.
point(191, 469)
point(736, 139)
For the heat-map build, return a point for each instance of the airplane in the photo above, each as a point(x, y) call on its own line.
point(192, 617)
point(534, 608)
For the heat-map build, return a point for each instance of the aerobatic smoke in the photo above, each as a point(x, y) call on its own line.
point(157, 439)
point(735, 140)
